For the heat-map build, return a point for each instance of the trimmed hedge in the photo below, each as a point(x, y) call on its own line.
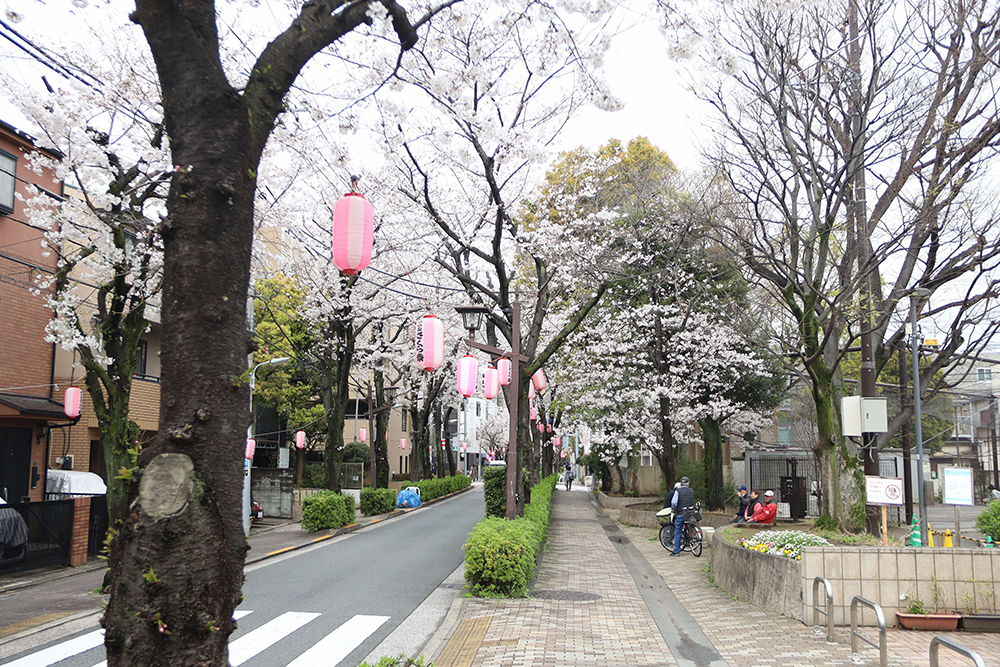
point(327, 509)
point(435, 488)
point(500, 554)
point(377, 501)
point(495, 491)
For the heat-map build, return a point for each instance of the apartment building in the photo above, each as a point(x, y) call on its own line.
point(30, 404)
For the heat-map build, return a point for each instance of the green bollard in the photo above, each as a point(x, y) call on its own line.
point(989, 542)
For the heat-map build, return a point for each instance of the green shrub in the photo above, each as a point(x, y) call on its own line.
point(314, 476)
point(435, 488)
point(494, 488)
point(327, 509)
point(398, 661)
point(826, 522)
point(377, 501)
point(500, 557)
point(500, 554)
point(988, 522)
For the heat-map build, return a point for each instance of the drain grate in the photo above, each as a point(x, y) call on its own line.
point(568, 596)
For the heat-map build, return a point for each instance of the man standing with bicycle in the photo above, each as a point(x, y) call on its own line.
point(682, 501)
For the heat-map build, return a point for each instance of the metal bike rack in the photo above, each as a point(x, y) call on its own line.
point(937, 642)
point(855, 635)
point(828, 612)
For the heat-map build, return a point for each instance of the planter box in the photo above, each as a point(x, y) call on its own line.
point(981, 623)
point(928, 621)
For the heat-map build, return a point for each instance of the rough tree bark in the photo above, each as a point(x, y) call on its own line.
point(177, 561)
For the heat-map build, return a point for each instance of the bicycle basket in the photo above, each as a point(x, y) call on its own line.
point(692, 516)
point(665, 516)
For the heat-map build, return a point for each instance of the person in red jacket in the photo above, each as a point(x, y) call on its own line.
point(765, 513)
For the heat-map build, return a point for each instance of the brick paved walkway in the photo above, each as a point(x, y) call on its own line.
point(563, 625)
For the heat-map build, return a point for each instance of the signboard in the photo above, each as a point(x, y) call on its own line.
point(884, 490)
point(958, 486)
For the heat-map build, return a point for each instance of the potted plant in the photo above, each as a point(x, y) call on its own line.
point(916, 617)
point(979, 612)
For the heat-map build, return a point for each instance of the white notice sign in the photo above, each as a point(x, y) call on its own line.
point(884, 490)
point(958, 486)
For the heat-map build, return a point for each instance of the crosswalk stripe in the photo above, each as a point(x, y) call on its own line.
point(337, 645)
point(267, 635)
point(67, 649)
point(237, 615)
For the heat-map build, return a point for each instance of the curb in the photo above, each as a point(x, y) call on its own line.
point(27, 632)
point(433, 646)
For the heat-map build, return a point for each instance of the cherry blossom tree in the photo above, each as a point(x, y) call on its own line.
point(105, 230)
point(176, 563)
point(495, 87)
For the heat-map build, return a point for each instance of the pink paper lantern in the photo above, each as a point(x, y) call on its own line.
point(466, 380)
point(402, 443)
point(548, 428)
point(503, 370)
point(541, 427)
point(491, 382)
point(353, 232)
point(362, 434)
point(71, 403)
point(429, 343)
point(531, 392)
point(300, 439)
point(538, 380)
point(563, 454)
point(534, 413)
point(557, 441)
point(251, 446)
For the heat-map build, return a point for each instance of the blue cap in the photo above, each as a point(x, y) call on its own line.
point(741, 488)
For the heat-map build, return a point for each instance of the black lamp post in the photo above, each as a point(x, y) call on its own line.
point(472, 318)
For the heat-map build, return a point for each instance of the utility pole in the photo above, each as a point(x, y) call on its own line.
point(905, 432)
point(859, 213)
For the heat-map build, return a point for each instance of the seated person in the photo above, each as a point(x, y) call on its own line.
point(741, 514)
point(753, 505)
point(765, 513)
point(993, 495)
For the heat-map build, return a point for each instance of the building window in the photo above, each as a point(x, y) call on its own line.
point(478, 406)
point(140, 358)
point(8, 172)
point(402, 420)
point(985, 374)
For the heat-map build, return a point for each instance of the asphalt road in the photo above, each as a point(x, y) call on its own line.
point(329, 604)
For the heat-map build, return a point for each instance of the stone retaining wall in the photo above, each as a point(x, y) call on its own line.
point(963, 578)
point(765, 581)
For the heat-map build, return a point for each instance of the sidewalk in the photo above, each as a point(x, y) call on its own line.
point(587, 609)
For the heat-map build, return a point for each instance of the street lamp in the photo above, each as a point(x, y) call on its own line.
point(472, 317)
point(916, 296)
point(251, 429)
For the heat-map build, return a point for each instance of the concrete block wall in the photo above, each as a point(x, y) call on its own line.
point(273, 488)
point(962, 578)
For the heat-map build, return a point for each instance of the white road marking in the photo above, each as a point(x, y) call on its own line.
point(337, 645)
point(67, 649)
point(266, 636)
point(237, 615)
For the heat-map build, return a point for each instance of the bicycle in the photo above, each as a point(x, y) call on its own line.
point(691, 535)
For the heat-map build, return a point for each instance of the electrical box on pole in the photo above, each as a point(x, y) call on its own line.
point(861, 415)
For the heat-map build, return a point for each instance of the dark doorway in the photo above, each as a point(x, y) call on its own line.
point(15, 457)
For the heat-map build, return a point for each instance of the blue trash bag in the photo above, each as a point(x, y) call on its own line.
point(407, 498)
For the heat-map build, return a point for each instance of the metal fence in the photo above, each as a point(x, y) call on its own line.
point(35, 534)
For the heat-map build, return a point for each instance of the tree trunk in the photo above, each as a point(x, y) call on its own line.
point(714, 482)
point(177, 561)
point(668, 450)
point(381, 436)
point(617, 479)
point(449, 451)
point(826, 449)
point(300, 466)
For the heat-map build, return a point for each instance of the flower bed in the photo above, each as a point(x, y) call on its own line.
point(784, 543)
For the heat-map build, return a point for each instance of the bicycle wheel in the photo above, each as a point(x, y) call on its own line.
point(667, 537)
point(695, 538)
